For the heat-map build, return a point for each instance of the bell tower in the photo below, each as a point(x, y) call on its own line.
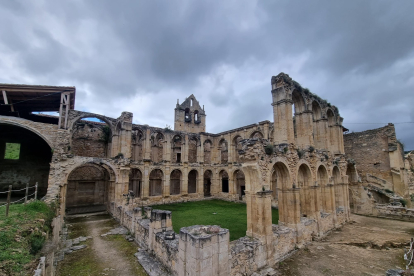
point(189, 116)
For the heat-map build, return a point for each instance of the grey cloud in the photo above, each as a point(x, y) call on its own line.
point(346, 52)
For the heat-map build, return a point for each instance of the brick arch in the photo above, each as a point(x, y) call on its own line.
point(255, 133)
point(75, 120)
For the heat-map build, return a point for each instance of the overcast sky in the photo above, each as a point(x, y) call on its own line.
point(141, 56)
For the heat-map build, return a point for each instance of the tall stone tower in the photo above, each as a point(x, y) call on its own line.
point(189, 116)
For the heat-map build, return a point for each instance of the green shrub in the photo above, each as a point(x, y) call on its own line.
point(36, 242)
point(269, 149)
point(403, 202)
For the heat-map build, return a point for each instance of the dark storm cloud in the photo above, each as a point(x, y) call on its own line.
point(141, 56)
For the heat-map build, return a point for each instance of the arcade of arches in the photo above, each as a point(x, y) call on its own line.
point(296, 163)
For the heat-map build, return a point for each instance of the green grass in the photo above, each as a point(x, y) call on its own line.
point(228, 215)
point(12, 151)
point(19, 239)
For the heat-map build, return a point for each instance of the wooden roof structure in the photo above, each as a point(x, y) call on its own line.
point(24, 98)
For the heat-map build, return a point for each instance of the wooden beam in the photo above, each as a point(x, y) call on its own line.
point(5, 97)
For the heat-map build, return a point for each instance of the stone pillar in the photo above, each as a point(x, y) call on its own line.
point(289, 206)
point(147, 145)
point(200, 182)
point(304, 129)
point(184, 181)
point(160, 222)
point(200, 155)
point(145, 181)
point(321, 134)
point(184, 149)
point(283, 122)
point(203, 250)
point(125, 134)
point(167, 182)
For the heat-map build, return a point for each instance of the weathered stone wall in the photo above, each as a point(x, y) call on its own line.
point(371, 151)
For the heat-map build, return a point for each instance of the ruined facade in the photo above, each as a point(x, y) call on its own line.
point(296, 164)
point(381, 185)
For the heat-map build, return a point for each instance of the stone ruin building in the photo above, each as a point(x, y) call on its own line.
point(381, 185)
point(296, 163)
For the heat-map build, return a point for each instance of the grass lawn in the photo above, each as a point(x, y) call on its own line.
point(19, 244)
point(228, 215)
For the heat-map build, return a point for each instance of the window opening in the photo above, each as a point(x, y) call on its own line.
point(225, 185)
point(178, 157)
point(12, 151)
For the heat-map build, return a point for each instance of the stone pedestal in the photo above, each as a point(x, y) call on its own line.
point(203, 250)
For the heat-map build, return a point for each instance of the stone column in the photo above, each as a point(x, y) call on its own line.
point(167, 182)
point(145, 181)
point(184, 181)
point(200, 182)
point(184, 150)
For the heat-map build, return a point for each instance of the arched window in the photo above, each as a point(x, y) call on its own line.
point(175, 182)
point(224, 181)
point(135, 180)
point(155, 182)
point(196, 117)
point(192, 182)
point(187, 116)
point(176, 144)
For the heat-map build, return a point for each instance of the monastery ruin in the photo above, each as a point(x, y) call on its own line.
point(296, 163)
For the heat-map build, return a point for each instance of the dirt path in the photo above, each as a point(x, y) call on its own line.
point(110, 255)
point(368, 246)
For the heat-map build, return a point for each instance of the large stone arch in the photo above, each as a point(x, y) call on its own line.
point(156, 182)
point(29, 125)
point(89, 188)
point(239, 182)
point(25, 158)
point(224, 181)
point(208, 178)
point(306, 192)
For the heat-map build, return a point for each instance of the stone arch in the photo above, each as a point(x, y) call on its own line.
point(224, 180)
point(282, 176)
point(192, 181)
point(237, 146)
point(283, 185)
point(224, 153)
point(156, 180)
point(239, 183)
point(257, 135)
point(304, 182)
point(75, 120)
point(88, 189)
point(157, 146)
point(337, 180)
point(299, 102)
point(316, 110)
point(330, 114)
point(176, 177)
point(326, 196)
point(30, 128)
point(30, 161)
point(208, 178)
point(207, 145)
point(135, 181)
point(137, 144)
